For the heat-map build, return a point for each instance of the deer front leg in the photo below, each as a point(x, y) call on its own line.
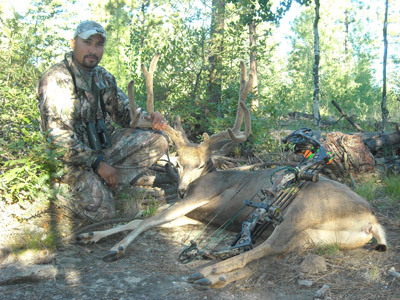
point(94, 236)
point(176, 211)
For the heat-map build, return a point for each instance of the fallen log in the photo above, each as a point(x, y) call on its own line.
point(376, 141)
point(354, 153)
point(357, 153)
point(351, 155)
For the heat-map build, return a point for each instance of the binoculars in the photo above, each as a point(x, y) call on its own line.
point(99, 137)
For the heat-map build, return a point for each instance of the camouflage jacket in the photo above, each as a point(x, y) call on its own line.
point(65, 109)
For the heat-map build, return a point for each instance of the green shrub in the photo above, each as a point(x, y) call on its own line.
point(151, 209)
point(367, 189)
point(28, 163)
point(391, 186)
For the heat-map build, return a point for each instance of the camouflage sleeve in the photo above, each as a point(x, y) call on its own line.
point(117, 103)
point(59, 106)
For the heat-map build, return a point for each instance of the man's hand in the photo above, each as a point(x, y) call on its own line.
point(109, 174)
point(158, 122)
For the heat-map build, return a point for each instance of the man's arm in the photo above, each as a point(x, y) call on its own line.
point(60, 110)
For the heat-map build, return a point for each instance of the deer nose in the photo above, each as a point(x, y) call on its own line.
point(181, 193)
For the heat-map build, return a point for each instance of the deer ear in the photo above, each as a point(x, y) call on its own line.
point(206, 137)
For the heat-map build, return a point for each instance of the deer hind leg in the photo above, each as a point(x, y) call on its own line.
point(282, 240)
point(380, 236)
point(354, 236)
point(221, 280)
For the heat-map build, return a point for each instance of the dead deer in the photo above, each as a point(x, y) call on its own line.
point(323, 212)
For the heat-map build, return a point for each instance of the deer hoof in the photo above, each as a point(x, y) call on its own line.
point(201, 287)
point(381, 248)
point(85, 238)
point(194, 277)
point(112, 255)
point(203, 282)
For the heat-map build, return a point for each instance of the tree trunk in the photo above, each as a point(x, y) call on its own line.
point(194, 93)
point(385, 112)
point(143, 11)
point(253, 63)
point(317, 117)
point(215, 60)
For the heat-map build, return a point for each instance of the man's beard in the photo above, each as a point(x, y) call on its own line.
point(92, 63)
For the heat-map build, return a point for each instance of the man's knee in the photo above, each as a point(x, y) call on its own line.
point(91, 199)
point(132, 140)
point(100, 214)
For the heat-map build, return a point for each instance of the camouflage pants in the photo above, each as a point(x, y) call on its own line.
point(133, 151)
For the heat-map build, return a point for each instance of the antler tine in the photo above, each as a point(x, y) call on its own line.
point(149, 82)
point(136, 121)
point(244, 90)
point(242, 112)
point(239, 137)
point(243, 75)
point(153, 63)
point(178, 137)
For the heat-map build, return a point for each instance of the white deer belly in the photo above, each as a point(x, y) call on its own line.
point(344, 239)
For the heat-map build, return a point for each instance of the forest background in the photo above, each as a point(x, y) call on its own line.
point(197, 78)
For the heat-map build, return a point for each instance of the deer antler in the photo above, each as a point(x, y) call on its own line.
point(136, 120)
point(242, 110)
point(177, 136)
point(242, 113)
point(149, 82)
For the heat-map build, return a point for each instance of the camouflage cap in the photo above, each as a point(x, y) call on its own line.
point(88, 28)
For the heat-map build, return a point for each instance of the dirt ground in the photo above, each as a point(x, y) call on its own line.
point(150, 270)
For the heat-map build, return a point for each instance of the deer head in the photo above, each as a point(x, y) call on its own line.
point(194, 160)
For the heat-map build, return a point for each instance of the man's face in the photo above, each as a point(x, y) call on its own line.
point(88, 52)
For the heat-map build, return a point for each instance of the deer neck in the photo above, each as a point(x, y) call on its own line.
point(209, 167)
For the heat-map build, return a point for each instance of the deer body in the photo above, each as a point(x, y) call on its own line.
point(321, 202)
point(227, 196)
point(323, 212)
